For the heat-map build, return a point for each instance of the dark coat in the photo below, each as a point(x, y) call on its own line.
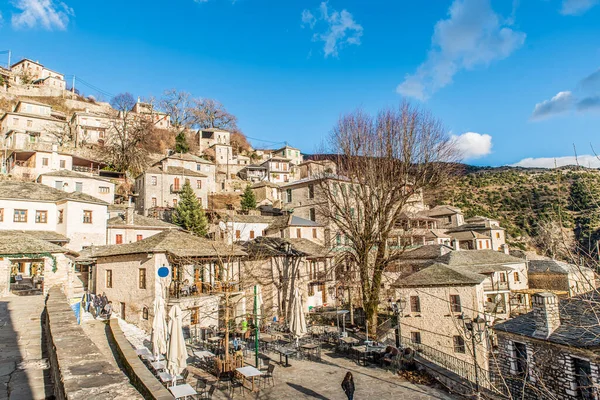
point(348, 387)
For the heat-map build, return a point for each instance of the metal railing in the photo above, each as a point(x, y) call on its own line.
point(495, 286)
point(460, 367)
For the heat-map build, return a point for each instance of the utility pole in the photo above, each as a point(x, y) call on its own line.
point(256, 325)
point(73, 87)
point(8, 66)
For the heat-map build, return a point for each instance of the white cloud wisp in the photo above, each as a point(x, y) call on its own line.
point(471, 145)
point(586, 160)
point(473, 35)
point(46, 14)
point(577, 7)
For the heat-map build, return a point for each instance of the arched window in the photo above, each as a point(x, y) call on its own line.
point(145, 313)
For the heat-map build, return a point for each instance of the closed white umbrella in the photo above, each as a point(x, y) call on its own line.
point(176, 350)
point(297, 319)
point(159, 327)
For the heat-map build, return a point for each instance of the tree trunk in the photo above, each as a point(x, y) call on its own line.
point(351, 305)
point(226, 344)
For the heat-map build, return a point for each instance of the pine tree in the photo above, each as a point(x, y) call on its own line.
point(189, 213)
point(181, 144)
point(248, 199)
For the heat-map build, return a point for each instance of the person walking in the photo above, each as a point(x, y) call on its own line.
point(348, 385)
point(97, 305)
point(85, 301)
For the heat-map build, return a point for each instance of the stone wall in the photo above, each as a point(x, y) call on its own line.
point(551, 372)
point(138, 373)
point(79, 370)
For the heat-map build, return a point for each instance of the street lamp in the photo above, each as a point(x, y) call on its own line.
point(397, 307)
point(474, 330)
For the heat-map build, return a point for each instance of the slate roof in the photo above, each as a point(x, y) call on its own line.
point(178, 243)
point(553, 267)
point(171, 170)
point(467, 235)
point(12, 242)
point(38, 192)
point(273, 247)
point(438, 211)
point(49, 236)
point(579, 325)
point(139, 221)
point(440, 275)
point(65, 173)
point(473, 227)
point(478, 257)
point(252, 219)
point(185, 157)
point(264, 183)
point(286, 221)
point(426, 252)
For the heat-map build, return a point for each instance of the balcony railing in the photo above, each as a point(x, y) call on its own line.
point(495, 286)
point(87, 170)
point(176, 189)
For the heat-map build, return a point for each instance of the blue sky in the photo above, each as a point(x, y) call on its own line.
point(513, 81)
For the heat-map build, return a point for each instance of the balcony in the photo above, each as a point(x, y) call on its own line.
point(176, 189)
point(495, 286)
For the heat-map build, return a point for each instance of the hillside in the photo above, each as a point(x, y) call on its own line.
point(531, 204)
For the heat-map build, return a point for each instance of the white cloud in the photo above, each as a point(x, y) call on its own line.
point(472, 145)
point(47, 14)
point(473, 35)
point(577, 7)
point(339, 28)
point(561, 103)
point(586, 160)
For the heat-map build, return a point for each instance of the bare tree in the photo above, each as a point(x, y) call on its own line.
point(123, 102)
point(62, 133)
point(209, 113)
point(385, 161)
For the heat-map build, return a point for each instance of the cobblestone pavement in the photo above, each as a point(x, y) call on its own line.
point(322, 380)
point(24, 370)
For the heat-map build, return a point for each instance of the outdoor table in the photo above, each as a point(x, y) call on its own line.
point(157, 365)
point(143, 352)
point(249, 372)
point(180, 391)
point(203, 354)
point(349, 340)
point(165, 377)
point(312, 348)
point(286, 353)
point(214, 339)
point(267, 340)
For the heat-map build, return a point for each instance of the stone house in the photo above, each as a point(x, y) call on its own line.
point(548, 274)
point(30, 164)
point(279, 265)
point(29, 206)
point(288, 152)
point(200, 274)
point(292, 227)
point(448, 216)
point(278, 169)
point(37, 73)
point(29, 262)
point(208, 137)
point(470, 240)
point(90, 127)
point(241, 228)
point(550, 352)
point(484, 226)
point(128, 227)
point(147, 111)
point(71, 181)
point(316, 169)
point(267, 193)
point(253, 173)
point(29, 124)
point(160, 185)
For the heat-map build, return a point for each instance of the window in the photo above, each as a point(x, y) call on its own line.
point(238, 234)
point(154, 202)
point(497, 235)
point(176, 184)
point(502, 277)
point(314, 233)
point(311, 191)
point(87, 217)
point(520, 358)
point(516, 275)
point(153, 181)
point(118, 238)
point(29, 123)
point(198, 184)
point(459, 344)
point(45, 161)
point(455, 303)
point(415, 337)
point(251, 234)
point(289, 195)
point(62, 164)
point(32, 139)
point(41, 217)
point(109, 278)
point(139, 237)
point(415, 304)
point(145, 313)
point(583, 373)
point(142, 278)
point(298, 232)
point(194, 316)
point(104, 189)
point(61, 214)
point(79, 187)
point(312, 215)
point(20, 216)
point(1, 214)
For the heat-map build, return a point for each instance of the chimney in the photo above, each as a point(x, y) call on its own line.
point(456, 245)
point(87, 110)
point(129, 216)
point(545, 314)
point(164, 165)
point(505, 249)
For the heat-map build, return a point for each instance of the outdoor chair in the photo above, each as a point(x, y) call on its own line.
point(222, 377)
point(211, 391)
point(269, 375)
point(183, 377)
point(201, 388)
point(236, 383)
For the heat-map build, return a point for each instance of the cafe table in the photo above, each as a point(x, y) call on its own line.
point(249, 372)
point(182, 391)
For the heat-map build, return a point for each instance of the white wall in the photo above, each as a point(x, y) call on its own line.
point(81, 234)
point(90, 185)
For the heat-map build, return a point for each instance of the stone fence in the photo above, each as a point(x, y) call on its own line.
point(79, 370)
point(143, 380)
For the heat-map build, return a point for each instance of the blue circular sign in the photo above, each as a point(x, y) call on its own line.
point(163, 272)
